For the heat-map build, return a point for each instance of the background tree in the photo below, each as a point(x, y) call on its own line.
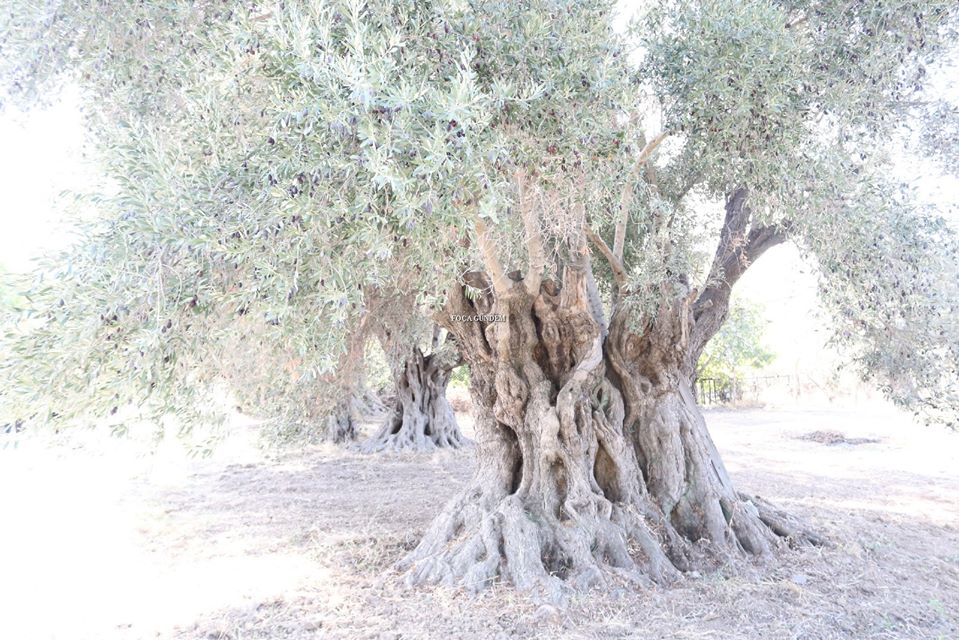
point(736, 348)
point(420, 418)
point(341, 398)
point(486, 157)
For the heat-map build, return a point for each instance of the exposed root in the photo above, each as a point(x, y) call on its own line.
point(687, 479)
point(791, 529)
point(414, 435)
point(476, 540)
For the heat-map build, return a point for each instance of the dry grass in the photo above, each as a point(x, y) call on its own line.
point(101, 545)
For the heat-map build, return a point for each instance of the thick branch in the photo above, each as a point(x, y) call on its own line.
point(798, 21)
point(534, 238)
point(490, 261)
point(446, 354)
point(647, 151)
point(468, 335)
point(737, 250)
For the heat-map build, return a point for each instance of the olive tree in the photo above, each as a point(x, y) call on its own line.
point(163, 266)
point(537, 180)
point(419, 417)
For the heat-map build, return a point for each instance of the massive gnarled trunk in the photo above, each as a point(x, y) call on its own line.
point(594, 461)
point(680, 466)
point(420, 418)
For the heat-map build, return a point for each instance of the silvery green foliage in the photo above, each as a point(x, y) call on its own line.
point(802, 103)
point(889, 271)
point(270, 167)
point(939, 135)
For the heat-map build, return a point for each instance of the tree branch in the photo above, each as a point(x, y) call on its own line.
point(619, 273)
point(534, 238)
point(490, 261)
point(736, 251)
point(649, 148)
point(798, 21)
point(626, 195)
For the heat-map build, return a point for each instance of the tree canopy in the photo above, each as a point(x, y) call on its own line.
point(272, 170)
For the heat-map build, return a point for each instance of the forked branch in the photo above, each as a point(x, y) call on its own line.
point(619, 273)
point(736, 251)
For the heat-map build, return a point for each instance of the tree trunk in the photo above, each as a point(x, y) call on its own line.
point(347, 387)
point(340, 425)
point(366, 405)
point(594, 463)
point(341, 421)
point(679, 463)
point(421, 419)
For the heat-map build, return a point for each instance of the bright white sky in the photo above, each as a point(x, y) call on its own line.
point(40, 157)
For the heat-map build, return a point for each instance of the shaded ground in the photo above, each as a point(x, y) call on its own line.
point(97, 544)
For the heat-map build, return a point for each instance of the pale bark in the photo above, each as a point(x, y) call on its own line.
point(557, 498)
point(366, 405)
point(420, 418)
point(594, 461)
point(346, 387)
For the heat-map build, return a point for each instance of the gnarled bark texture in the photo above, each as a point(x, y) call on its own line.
point(357, 404)
point(366, 405)
point(420, 418)
point(594, 461)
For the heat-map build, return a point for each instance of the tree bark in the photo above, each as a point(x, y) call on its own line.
point(347, 386)
point(594, 464)
point(678, 461)
point(366, 405)
point(341, 422)
point(340, 426)
point(420, 418)
point(739, 246)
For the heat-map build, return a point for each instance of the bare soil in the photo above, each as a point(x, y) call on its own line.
point(100, 540)
point(834, 438)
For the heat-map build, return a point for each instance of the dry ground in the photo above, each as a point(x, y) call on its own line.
point(101, 540)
